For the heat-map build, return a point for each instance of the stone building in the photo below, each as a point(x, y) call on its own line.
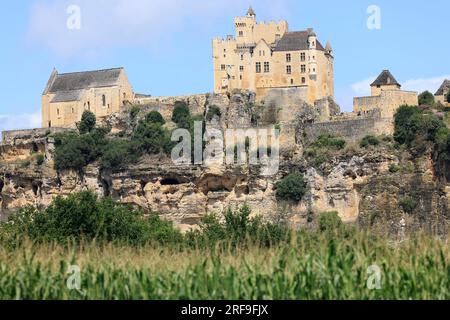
point(68, 95)
point(442, 93)
point(266, 56)
point(386, 96)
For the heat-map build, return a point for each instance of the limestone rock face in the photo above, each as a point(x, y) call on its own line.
point(359, 186)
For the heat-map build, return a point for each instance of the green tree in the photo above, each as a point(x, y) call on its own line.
point(291, 187)
point(151, 138)
point(155, 117)
point(426, 98)
point(181, 115)
point(87, 123)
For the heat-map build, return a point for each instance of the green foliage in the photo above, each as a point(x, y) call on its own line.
point(82, 216)
point(447, 97)
point(151, 138)
point(181, 115)
point(426, 98)
point(393, 168)
point(117, 154)
point(239, 229)
point(414, 129)
point(328, 141)
point(369, 141)
point(134, 112)
point(74, 151)
point(292, 187)
point(329, 221)
point(40, 159)
point(87, 123)
point(408, 204)
point(155, 117)
point(213, 111)
point(411, 124)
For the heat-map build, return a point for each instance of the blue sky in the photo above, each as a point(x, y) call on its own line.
point(165, 45)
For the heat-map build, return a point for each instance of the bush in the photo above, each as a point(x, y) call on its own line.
point(151, 138)
point(181, 115)
point(40, 158)
point(117, 155)
point(329, 221)
point(411, 125)
point(408, 204)
point(426, 98)
point(155, 117)
point(393, 168)
point(369, 141)
point(213, 111)
point(75, 151)
point(87, 123)
point(134, 112)
point(291, 187)
point(328, 141)
point(82, 216)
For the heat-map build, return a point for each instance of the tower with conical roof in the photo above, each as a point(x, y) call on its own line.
point(384, 82)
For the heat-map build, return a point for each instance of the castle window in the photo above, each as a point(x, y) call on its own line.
point(303, 80)
point(258, 67)
point(104, 100)
point(240, 77)
point(288, 69)
point(241, 33)
point(302, 56)
point(303, 68)
point(292, 81)
point(57, 112)
point(241, 68)
point(222, 67)
point(288, 57)
point(242, 57)
point(266, 67)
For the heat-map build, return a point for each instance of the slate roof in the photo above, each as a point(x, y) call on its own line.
point(67, 96)
point(84, 80)
point(385, 78)
point(443, 89)
point(294, 41)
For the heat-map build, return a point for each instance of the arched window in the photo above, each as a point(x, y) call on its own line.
point(104, 100)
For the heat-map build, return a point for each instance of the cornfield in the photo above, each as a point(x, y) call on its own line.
point(357, 267)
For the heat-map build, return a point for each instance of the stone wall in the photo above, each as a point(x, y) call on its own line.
point(352, 130)
point(9, 137)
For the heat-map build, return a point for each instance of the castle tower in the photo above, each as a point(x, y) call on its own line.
point(312, 42)
point(384, 82)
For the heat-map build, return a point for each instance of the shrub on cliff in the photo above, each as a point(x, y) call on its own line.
point(369, 141)
point(151, 138)
point(74, 151)
point(292, 187)
point(87, 123)
point(213, 111)
point(155, 117)
point(329, 221)
point(181, 115)
point(328, 141)
point(426, 98)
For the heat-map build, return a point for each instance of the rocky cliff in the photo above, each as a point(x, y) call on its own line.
point(377, 187)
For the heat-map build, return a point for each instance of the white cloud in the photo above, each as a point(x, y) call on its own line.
point(422, 84)
point(114, 23)
point(362, 88)
point(20, 121)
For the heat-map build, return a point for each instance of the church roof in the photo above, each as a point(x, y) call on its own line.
point(251, 12)
point(443, 89)
point(294, 41)
point(84, 80)
point(67, 96)
point(385, 78)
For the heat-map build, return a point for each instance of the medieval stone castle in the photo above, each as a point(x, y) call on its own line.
point(265, 58)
